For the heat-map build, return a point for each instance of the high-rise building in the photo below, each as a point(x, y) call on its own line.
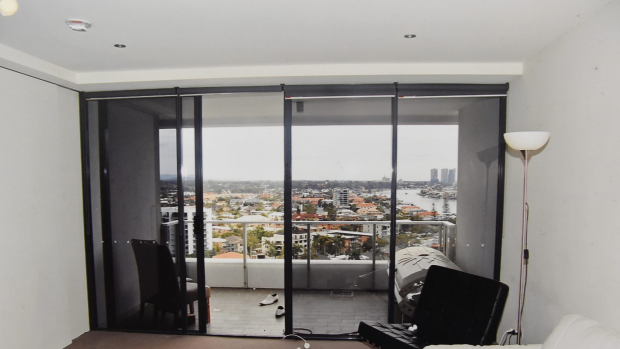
point(434, 177)
point(341, 197)
point(444, 175)
point(452, 176)
point(170, 217)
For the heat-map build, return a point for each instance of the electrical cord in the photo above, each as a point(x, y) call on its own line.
point(525, 267)
point(511, 332)
point(306, 344)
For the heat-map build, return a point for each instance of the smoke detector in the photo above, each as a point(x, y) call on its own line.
point(78, 25)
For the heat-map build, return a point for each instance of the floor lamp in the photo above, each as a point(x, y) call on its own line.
point(525, 142)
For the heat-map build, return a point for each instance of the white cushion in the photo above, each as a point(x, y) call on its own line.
point(578, 332)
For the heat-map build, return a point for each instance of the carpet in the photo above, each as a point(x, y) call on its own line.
point(118, 340)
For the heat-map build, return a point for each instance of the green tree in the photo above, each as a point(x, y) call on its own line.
point(297, 250)
point(255, 237)
point(336, 245)
point(331, 213)
point(446, 206)
point(319, 243)
point(271, 249)
point(310, 209)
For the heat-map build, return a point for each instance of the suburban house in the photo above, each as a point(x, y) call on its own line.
point(561, 60)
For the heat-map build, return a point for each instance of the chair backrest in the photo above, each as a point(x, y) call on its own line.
point(459, 308)
point(156, 273)
point(147, 260)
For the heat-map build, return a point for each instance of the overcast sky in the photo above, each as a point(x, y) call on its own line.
point(319, 152)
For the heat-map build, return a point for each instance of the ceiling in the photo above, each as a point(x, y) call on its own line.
point(186, 43)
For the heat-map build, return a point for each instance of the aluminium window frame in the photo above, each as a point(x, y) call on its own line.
point(291, 92)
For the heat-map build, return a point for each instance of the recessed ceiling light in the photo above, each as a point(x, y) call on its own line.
point(119, 46)
point(410, 36)
point(79, 25)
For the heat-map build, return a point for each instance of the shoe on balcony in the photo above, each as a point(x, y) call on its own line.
point(280, 311)
point(272, 298)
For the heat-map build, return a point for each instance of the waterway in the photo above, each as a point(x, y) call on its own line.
point(411, 197)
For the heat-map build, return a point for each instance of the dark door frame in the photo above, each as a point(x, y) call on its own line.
point(395, 90)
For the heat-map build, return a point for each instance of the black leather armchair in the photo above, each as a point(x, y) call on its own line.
point(454, 308)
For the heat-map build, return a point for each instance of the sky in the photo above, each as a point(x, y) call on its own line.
point(319, 152)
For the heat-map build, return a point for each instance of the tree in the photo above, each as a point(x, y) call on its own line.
point(310, 209)
point(434, 211)
point(336, 245)
point(255, 237)
point(297, 249)
point(319, 243)
point(353, 207)
point(272, 251)
point(446, 206)
point(355, 251)
point(331, 213)
point(348, 228)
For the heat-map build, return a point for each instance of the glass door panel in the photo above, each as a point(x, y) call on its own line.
point(447, 158)
point(139, 205)
point(243, 170)
point(341, 171)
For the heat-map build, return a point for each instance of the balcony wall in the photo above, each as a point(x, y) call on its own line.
point(269, 273)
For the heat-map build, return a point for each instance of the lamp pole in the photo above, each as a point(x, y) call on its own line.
point(524, 142)
point(524, 251)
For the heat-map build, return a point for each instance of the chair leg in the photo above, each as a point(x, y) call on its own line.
point(191, 316)
point(208, 310)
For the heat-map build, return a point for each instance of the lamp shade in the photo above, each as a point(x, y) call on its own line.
point(526, 140)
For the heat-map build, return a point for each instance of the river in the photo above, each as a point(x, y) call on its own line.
point(411, 197)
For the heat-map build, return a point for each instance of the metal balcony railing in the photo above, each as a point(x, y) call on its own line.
point(226, 273)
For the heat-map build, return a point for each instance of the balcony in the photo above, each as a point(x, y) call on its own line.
point(330, 296)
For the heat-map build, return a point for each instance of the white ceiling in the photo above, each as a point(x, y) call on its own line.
point(246, 41)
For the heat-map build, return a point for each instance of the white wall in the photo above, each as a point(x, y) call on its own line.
point(571, 89)
point(42, 273)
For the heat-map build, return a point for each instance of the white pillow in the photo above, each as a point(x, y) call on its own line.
point(578, 332)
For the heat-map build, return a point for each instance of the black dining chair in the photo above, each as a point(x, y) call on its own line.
point(159, 284)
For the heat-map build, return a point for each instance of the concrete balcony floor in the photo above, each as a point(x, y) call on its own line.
point(237, 311)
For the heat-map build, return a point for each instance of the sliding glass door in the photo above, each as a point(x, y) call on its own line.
point(242, 145)
point(341, 177)
point(138, 205)
point(297, 209)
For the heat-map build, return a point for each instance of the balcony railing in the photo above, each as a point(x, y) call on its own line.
point(312, 273)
